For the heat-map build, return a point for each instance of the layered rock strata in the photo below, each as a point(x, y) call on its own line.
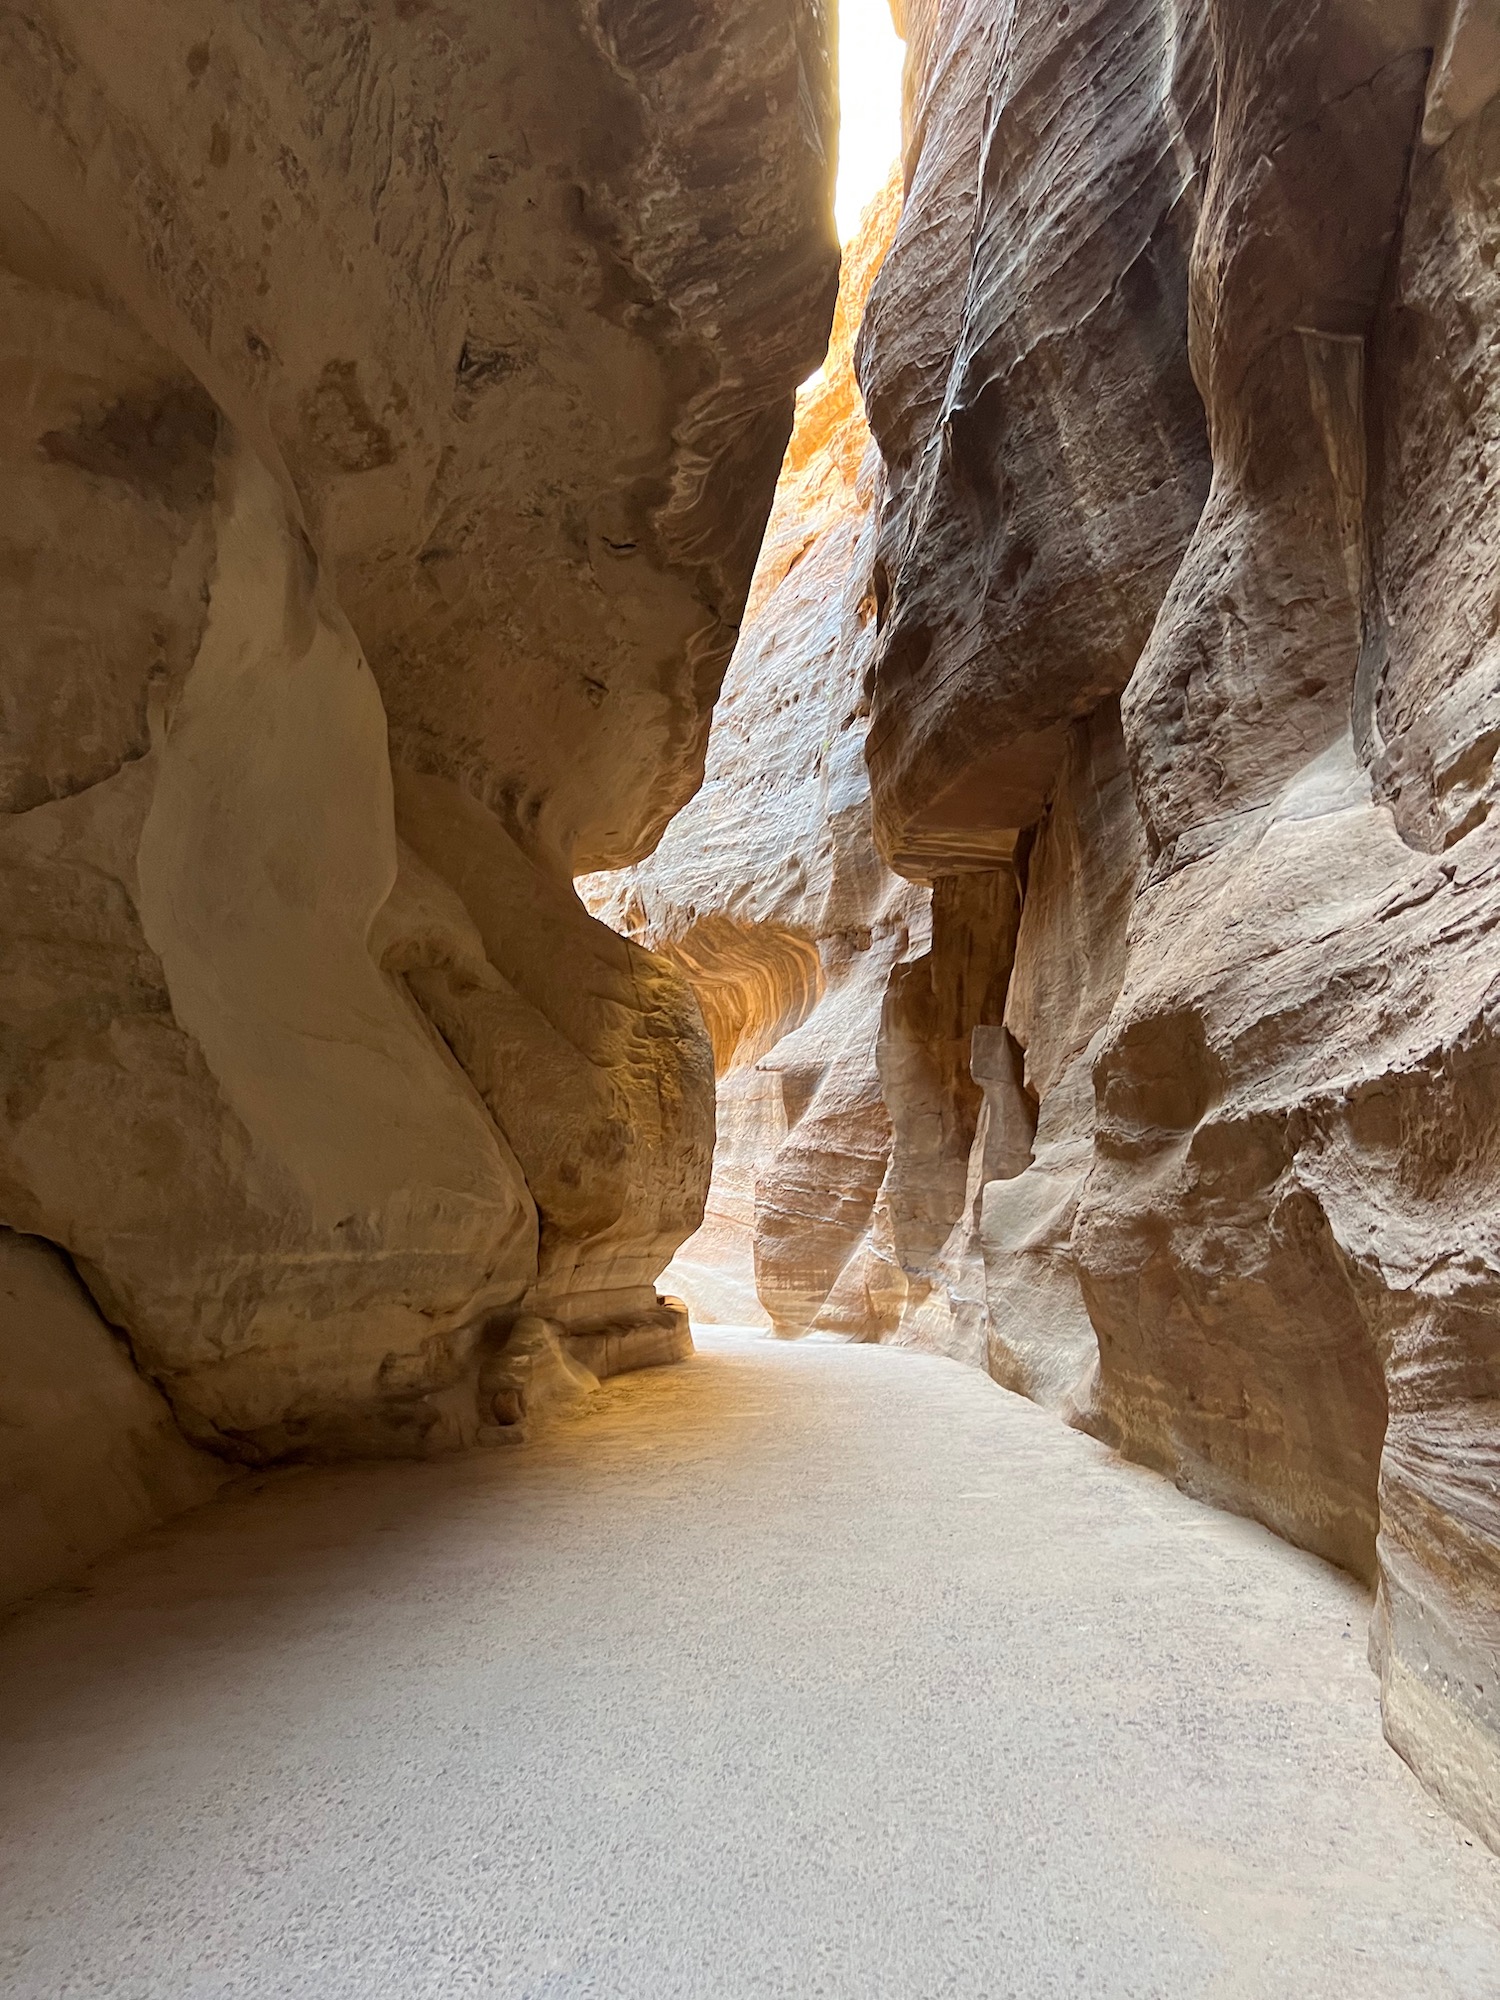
point(89, 1452)
point(840, 998)
point(1224, 681)
point(394, 397)
point(1165, 620)
point(1024, 369)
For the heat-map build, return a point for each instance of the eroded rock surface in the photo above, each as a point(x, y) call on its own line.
point(394, 397)
point(1166, 624)
point(89, 1452)
point(1028, 385)
point(1239, 733)
point(840, 998)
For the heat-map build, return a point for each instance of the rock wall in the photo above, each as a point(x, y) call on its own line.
point(1164, 616)
point(840, 998)
point(1220, 670)
point(1026, 378)
point(393, 398)
point(88, 1448)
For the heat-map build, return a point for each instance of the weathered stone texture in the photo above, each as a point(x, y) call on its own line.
point(840, 998)
point(1236, 1182)
point(1029, 389)
point(88, 1449)
point(394, 395)
point(1082, 869)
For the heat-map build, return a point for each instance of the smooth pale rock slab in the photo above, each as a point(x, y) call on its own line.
point(655, 1341)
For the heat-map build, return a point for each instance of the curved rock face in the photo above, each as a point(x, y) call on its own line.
point(1023, 365)
point(88, 1449)
point(394, 398)
point(1291, 1220)
point(1083, 866)
point(1238, 1213)
point(840, 998)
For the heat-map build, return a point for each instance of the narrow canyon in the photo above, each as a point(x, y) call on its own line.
point(580, 764)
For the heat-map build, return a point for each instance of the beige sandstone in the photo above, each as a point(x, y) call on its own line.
point(840, 998)
point(1240, 1216)
point(1028, 386)
point(766, 889)
point(1083, 867)
point(88, 1449)
point(1183, 572)
point(1091, 908)
point(393, 398)
point(1289, 1237)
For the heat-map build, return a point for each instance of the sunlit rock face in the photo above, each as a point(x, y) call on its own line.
point(840, 998)
point(393, 399)
point(1221, 669)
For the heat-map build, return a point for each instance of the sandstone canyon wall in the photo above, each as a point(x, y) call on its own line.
point(1167, 609)
point(840, 998)
point(1246, 752)
point(393, 398)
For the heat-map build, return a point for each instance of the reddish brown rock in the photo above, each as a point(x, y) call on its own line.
point(1082, 869)
point(1289, 1225)
point(1029, 389)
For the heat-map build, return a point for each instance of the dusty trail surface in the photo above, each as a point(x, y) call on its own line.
point(793, 1671)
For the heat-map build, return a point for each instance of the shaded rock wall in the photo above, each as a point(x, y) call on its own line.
point(88, 1449)
point(1221, 675)
point(393, 398)
point(1084, 864)
point(1024, 369)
